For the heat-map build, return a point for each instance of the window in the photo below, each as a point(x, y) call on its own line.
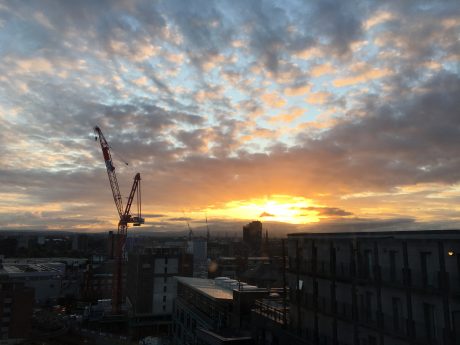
point(166, 270)
point(424, 257)
point(166, 260)
point(164, 288)
point(397, 309)
point(368, 264)
point(430, 320)
point(164, 307)
point(392, 254)
point(372, 340)
point(165, 280)
point(164, 298)
point(369, 305)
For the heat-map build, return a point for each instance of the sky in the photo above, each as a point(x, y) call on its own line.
point(304, 115)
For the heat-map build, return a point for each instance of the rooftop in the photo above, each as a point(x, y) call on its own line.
point(422, 234)
point(26, 269)
point(207, 287)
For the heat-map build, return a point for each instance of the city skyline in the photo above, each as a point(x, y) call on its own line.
point(306, 114)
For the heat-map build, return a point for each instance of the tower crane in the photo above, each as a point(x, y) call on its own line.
point(125, 218)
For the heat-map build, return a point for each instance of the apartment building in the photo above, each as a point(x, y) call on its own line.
point(151, 288)
point(369, 288)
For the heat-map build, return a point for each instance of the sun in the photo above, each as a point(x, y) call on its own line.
point(277, 208)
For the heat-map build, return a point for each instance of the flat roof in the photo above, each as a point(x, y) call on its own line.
point(29, 269)
point(382, 234)
point(207, 287)
point(227, 334)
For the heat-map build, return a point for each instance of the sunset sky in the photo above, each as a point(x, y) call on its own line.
point(311, 113)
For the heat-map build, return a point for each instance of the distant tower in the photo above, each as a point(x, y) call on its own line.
point(190, 232)
point(265, 246)
point(208, 234)
point(252, 237)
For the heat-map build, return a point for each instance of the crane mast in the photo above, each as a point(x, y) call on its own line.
point(125, 218)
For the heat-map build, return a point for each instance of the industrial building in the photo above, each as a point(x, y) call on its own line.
point(386, 288)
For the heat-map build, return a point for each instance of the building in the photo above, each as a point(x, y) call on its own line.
point(97, 282)
point(252, 238)
point(270, 322)
point(80, 243)
point(386, 288)
point(198, 248)
point(111, 242)
point(151, 288)
point(16, 307)
point(264, 272)
point(214, 311)
point(8, 246)
point(69, 279)
point(45, 278)
point(225, 267)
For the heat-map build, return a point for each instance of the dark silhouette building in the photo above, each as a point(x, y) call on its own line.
point(386, 288)
point(252, 238)
point(16, 307)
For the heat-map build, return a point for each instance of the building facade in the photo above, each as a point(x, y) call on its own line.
point(385, 288)
point(198, 248)
point(44, 278)
point(151, 288)
point(16, 307)
point(214, 311)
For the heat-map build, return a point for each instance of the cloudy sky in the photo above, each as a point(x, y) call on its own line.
point(308, 113)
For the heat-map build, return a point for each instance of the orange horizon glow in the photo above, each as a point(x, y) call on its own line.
point(273, 208)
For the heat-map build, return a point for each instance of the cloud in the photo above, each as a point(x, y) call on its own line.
point(210, 103)
point(293, 114)
point(266, 214)
point(273, 100)
point(378, 18)
point(320, 70)
point(363, 75)
point(180, 219)
point(329, 211)
point(153, 215)
point(297, 90)
point(319, 97)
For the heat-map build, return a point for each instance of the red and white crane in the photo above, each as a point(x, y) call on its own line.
point(125, 218)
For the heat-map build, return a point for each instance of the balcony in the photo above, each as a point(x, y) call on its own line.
point(273, 310)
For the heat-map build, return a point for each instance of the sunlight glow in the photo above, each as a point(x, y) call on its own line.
point(275, 208)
